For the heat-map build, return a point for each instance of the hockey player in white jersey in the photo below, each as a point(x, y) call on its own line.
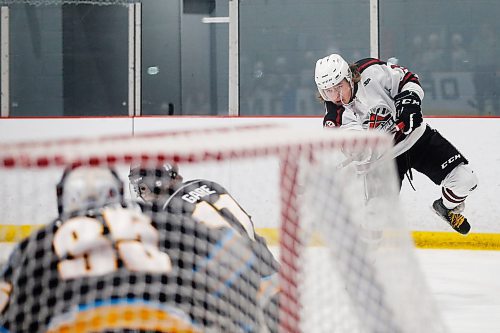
point(372, 94)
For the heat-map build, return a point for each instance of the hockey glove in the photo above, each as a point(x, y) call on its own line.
point(408, 111)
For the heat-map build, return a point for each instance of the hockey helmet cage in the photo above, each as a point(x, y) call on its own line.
point(152, 182)
point(330, 71)
point(83, 188)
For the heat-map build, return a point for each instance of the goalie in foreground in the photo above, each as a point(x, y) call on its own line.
point(103, 266)
point(372, 94)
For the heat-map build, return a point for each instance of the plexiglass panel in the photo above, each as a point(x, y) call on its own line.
point(280, 42)
point(68, 60)
point(73, 60)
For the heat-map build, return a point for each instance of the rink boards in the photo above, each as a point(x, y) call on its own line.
point(422, 239)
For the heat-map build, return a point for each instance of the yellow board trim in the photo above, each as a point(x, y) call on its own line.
point(14, 233)
point(425, 240)
point(422, 239)
point(456, 241)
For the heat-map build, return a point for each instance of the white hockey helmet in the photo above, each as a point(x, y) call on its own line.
point(330, 71)
point(84, 188)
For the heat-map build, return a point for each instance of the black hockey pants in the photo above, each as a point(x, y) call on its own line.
point(432, 155)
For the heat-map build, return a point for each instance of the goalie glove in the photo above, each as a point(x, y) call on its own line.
point(408, 111)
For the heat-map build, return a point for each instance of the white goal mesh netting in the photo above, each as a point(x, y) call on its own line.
point(198, 259)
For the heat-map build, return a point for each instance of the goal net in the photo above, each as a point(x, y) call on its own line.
point(198, 259)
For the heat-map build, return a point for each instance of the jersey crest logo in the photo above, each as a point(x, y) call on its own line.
point(380, 118)
point(366, 81)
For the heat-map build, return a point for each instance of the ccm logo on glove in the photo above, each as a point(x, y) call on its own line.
point(408, 111)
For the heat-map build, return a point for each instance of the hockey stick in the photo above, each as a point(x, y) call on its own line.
point(344, 163)
point(390, 154)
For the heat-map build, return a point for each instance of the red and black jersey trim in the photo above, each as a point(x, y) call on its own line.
point(363, 64)
point(333, 114)
point(409, 77)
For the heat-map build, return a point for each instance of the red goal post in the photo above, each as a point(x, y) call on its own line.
point(347, 261)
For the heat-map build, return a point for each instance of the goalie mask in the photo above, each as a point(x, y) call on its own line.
point(154, 183)
point(329, 72)
point(85, 188)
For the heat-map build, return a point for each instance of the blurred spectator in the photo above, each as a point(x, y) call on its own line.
point(258, 99)
point(286, 87)
point(416, 53)
point(433, 56)
point(459, 56)
point(485, 48)
point(258, 71)
point(306, 102)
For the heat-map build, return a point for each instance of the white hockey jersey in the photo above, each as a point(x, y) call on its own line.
point(373, 104)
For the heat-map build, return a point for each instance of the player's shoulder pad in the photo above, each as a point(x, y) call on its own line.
point(363, 64)
point(333, 114)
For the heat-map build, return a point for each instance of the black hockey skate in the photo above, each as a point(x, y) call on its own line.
point(456, 220)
